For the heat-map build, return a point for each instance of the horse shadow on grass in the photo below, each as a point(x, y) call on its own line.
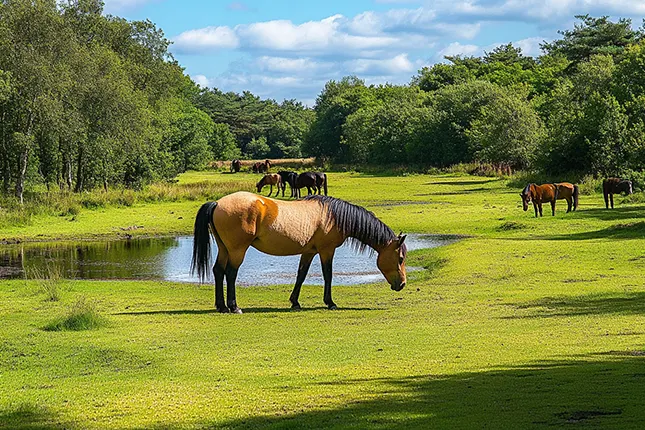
point(602, 391)
point(256, 310)
point(632, 303)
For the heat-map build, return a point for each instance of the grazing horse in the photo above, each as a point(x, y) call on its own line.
point(611, 186)
point(549, 193)
point(270, 179)
point(312, 181)
point(288, 178)
point(315, 225)
point(261, 166)
point(570, 193)
point(236, 165)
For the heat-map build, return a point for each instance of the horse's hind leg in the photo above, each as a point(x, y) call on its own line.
point(611, 196)
point(553, 208)
point(219, 271)
point(569, 204)
point(303, 269)
point(606, 200)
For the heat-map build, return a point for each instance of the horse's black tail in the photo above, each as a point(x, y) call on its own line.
point(576, 196)
point(325, 182)
point(202, 240)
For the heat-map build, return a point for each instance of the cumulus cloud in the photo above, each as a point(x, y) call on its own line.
point(206, 39)
point(282, 58)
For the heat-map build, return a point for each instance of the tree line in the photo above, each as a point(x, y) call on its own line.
point(577, 109)
point(89, 100)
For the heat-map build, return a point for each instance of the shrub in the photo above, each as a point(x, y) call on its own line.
point(82, 315)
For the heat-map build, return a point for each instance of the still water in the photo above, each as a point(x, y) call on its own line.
point(169, 259)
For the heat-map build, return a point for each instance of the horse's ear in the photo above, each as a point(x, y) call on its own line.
point(402, 238)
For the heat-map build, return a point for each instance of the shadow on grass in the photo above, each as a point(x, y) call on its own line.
point(30, 417)
point(590, 304)
point(603, 214)
point(600, 392)
point(258, 310)
point(631, 230)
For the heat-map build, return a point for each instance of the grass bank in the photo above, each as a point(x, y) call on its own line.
point(528, 323)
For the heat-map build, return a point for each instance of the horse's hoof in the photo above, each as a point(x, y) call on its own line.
point(236, 310)
point(332, 307)
point(296, 307)
point(223, 310)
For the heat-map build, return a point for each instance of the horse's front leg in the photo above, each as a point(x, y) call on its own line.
point(327, 258)
point(611, 196)
point(535, 206)
point(606, 200)
point(553, 208)
point(540, 207)
point(270, 190)
point(277, 193)
point(234, 262)
point(303, 269)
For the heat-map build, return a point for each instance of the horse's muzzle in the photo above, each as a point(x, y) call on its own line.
point(398, 287)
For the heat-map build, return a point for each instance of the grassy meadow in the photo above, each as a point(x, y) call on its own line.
point(524, 323)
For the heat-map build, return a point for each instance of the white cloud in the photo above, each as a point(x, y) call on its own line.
point(206, 39)
point(456, 48)
point(202, 80)
point(283, 59)
point(398, 65)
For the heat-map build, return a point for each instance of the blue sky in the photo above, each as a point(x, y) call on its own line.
point(289, 49)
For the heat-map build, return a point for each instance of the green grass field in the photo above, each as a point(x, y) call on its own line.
point(526, 323)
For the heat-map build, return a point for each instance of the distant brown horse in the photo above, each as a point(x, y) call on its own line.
point(261, 166)
point(236, 165)
point(270, 179)
point(549, 193)
point(611, 186)
point(315, 225)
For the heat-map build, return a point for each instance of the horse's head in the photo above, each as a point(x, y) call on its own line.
point(526, 197)
point(260, 185)
point(628, 187)
point(391, 262)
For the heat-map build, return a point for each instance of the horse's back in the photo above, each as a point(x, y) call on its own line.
point(565, 190)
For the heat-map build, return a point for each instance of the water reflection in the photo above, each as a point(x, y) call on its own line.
point(169, 259)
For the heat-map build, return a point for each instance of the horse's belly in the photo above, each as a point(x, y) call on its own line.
point(279, 245)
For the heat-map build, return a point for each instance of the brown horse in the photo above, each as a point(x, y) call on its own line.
point(236, 165)
point(611, 186)
point(270, 179)
point(261, 166)
point(549, 193)
point(315, 225)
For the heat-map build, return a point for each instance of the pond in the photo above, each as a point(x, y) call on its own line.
point(169, 259)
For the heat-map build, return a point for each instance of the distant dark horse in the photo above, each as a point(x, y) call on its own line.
point(611, 186)
point(261, 166)
point(550, 193)
point(322, 224)
point(236, 165)
point(288, 178)
point(312, 181)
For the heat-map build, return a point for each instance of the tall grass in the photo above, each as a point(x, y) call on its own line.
point(48, 280)
point(82, 315)
point(69, 204)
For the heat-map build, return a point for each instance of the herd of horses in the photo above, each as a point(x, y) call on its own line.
point(550, 193)
point(314, 182)
point(317, 225)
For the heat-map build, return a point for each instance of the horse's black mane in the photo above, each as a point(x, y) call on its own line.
point(526, 189)
point(356, 223)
